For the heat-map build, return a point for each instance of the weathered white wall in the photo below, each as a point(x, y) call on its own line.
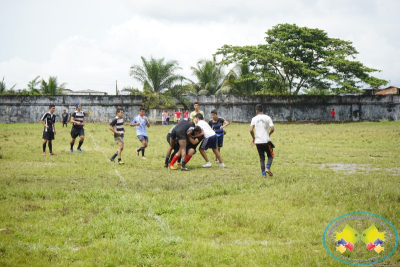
point(233, 108)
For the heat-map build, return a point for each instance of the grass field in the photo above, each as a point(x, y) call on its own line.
point(81, 210)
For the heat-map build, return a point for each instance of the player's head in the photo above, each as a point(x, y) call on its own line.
point(259, 108)
point(52, 108)
point(214, 114)
point(198, 117)
point(78, 105)
point(120, 112)
point(196, 105)
point(196, 130)
point(141, 111)
point(65, 111)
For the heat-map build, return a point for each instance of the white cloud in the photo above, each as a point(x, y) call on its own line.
point(187, 32)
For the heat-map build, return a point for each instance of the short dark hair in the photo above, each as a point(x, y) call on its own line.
point(195, 103)
point(119, 109)
point(259, 107)
point(214, 111)
point(197, 129)
point(199, 116)
point(142, 108)
point(51, 106)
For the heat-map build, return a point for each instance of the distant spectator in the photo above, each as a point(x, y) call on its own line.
point(186, 115)
point(196, 111)
point(65, 117)
point(178, 115)
point(333, 114)
point(164, 117)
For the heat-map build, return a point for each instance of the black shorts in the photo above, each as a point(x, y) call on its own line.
point(178, 135)
point(48, 135)
point(65, 122)
point(188, 147)
point(75, 132)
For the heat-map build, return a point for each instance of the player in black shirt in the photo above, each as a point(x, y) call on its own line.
point(218, 124)
point(65, 117)
point(78, 121)
point(49, 131)
point(179, 134)
point(194, 140)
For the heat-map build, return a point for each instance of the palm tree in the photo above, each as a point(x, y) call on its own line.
point(156, 75)
point(52, 87)
point(3, 87)
point(157, 78)
point(239, 81)
point(32, 86)
point(209, 75)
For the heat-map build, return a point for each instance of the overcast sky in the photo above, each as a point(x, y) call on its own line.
point(91, 44)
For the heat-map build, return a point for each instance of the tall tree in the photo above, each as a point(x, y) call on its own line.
point(299, 57)
point(3, 87)
point(52, 87)
point(209, 75)
point(158, 78)
point(239, 81)
point(32, 86)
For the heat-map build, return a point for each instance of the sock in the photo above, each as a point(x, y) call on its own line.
point(115, 155)
point(268, 167)
point(188, 157)
point(119, 159)
point(166, 160)
point(80, 143)
point(44, 147)
point(179, 160)
point(51, 147)
point(183, 164)
point(142, 148)
point(175, 158)
point(72, 145)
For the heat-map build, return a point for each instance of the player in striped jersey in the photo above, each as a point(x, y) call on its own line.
point(117, 127)
point(49, 131)
point(78, 121)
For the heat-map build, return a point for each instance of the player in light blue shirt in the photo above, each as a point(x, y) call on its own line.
point(141, 122)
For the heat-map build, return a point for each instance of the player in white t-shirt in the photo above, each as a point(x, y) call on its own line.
point(210, 141)
point(264, 127)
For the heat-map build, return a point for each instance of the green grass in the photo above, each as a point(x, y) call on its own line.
point(81, 210)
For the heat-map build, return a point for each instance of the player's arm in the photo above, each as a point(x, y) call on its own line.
point(199, 134)
point(74, 121)
point(147, 122)
point(271, 130)
point(193, 141)
point(252, 133)
point(44, 124)
point(226, 123)
point(134, 123)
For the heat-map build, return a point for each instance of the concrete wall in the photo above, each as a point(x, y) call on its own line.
point(233, 108)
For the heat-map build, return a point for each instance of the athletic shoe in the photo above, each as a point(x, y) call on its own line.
point(44, 153)
point(184, 169)
point(207, 165)
point(222, 165)
point(269, 172)
point(264, 174)
point(121, 162)
point(166, 165)
point(172, 167)
point(143, 157)
point(52, 154)
point(79, 150)
point(71, 150)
